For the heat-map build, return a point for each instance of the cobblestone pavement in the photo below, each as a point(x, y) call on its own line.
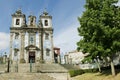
point(34, 76)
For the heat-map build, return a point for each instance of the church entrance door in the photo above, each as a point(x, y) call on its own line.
point(32, 57)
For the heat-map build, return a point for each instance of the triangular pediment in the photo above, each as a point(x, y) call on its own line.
point(32, 47)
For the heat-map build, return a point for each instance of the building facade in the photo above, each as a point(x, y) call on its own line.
point(31, 41)
point(74, 57)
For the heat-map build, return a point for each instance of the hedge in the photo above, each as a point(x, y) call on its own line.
point(75, 72)
point(80, 72)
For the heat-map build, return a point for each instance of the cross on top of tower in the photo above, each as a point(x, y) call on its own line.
point(19, 11)
point(45, 12)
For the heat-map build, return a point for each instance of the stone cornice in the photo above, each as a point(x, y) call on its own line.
point(18, 15)
point(41, 16)
point(29, 29)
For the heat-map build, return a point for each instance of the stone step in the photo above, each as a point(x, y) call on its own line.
point(44, 68)
point(3, 68)
point(22, 68)
point(25, 76)
point(50, 68)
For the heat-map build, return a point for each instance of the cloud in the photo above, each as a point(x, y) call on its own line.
point(67, 39)
point(4, 41)
point(118, 4)
point(67, 36)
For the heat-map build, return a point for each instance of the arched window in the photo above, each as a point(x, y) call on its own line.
point(46, 22)
point(17, 21)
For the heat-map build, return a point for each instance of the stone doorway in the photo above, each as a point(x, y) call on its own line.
point(32, 57)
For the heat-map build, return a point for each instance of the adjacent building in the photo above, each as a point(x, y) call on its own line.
point(74, 57)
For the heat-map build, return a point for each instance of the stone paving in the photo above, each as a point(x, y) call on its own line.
point(34, 76)
point(25, 76)
point(42, 72)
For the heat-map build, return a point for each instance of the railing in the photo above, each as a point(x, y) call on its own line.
point(88, 66)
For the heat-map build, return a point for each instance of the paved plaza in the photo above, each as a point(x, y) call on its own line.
point(34, 76)
point(39, 72)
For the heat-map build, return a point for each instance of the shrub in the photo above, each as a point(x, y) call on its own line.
point(90, 70)
point(75, 72)
point(79, 72)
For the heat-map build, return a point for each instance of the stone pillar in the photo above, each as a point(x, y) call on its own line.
point(40, 40)
point(52, 47)
point(59, 59)
point(34, 39)
point(27, 55)
point(40, 44)
point(22, 60)
point(11, 42)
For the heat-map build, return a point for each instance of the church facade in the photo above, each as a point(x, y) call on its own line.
point(31, 41)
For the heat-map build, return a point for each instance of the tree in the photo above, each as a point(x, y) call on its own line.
point(100, 29)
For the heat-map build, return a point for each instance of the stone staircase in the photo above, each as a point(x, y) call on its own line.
point(3, 68)
point(39, 72)
point(38, 67)
point(26, 68)
point(25, 76)
point(50, 68)
point(22, 68)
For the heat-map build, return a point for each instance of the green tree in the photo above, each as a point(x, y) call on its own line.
point(100, 30)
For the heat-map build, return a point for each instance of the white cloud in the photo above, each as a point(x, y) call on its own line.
point(118, 4)
point(4, 41)
point(67, 39)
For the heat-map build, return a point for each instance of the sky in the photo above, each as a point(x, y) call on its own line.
point(65, 15)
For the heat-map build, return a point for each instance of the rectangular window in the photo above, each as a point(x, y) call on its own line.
point(15, 52)
point(16, 35)
point(46, 36)
point(47, 52)
point(32, 40)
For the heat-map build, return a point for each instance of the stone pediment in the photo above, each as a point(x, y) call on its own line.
point(33, 47)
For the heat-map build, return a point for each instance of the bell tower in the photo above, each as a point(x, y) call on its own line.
point(31, 20)
point(46, 20)
point(18, 19)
